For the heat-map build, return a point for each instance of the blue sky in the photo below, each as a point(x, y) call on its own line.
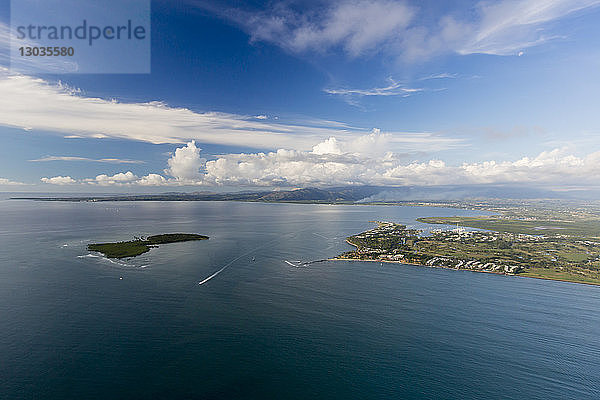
point(294, 94)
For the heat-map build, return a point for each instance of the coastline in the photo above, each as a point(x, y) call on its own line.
point(468, 270)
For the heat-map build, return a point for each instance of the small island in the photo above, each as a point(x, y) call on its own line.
point(141, 245)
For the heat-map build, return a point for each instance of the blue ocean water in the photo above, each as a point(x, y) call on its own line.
point(71, 328)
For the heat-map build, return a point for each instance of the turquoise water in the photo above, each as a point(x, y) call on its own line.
point(71, 328)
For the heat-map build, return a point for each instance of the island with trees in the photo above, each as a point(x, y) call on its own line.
point(141, 245)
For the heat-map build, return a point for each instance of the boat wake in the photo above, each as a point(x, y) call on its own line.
point(202, 282)
point(299, 264)
point(296, 264)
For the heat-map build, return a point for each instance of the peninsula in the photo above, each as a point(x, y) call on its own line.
point(141, 245)
point(564, 250)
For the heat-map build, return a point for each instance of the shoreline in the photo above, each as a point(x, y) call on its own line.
point(467, 270)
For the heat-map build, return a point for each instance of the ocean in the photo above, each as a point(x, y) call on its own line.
point(77, 326)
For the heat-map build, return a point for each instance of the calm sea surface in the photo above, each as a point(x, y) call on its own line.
point(70, 328)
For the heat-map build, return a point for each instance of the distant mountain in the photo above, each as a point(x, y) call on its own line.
point(333, 195)
point(324, 195)
point(463, 192)
point(352, 194)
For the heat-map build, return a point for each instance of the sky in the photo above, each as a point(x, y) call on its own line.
point(288, 94)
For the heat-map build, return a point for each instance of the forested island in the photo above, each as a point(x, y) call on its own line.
point(133, 248)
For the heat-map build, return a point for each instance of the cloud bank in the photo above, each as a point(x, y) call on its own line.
point(364, 161)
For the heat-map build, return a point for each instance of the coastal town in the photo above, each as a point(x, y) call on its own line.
point(546, 256)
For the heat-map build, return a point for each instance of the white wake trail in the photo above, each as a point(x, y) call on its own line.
point(245, 254)
point(213, 275)
point(226, 266)
point(292, 264)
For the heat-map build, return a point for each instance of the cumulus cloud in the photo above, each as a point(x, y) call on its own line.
point(59, 180)
point(122, 178)
point(288, 168)
point(293, 168)
point(119, 179)
point(8, 182)
point(152, 180)
point(364, 161)
point(375, 144)
point(399, 29)
point(330, 146)
point(185, 163)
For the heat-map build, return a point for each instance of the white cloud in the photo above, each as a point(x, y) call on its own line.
point(32, 103)
point(507, 26)
point(443, 75)
point(8, 182)
point(99, 160)
point(375, 144)
point(185, 163)
point(398, 29)
point(261, 117)
point(130, 179)
point(122, 178)
point(357, 26)
point(59, 180)
point(330, 146)
point(284, 168)
point(363, 162)
point(152, 180)
point(294, 168)
point(393, 89)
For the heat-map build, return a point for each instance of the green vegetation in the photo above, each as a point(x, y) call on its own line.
point(343, 195)
point(590, 277)
point(576, 227)
point(139, 246)
point(509, 250)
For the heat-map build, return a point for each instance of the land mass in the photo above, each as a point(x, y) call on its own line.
point(455, 195)
point(341, 195)
point(139, 246)
point(547, 249)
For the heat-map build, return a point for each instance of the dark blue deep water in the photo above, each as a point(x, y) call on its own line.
point(70, 328)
